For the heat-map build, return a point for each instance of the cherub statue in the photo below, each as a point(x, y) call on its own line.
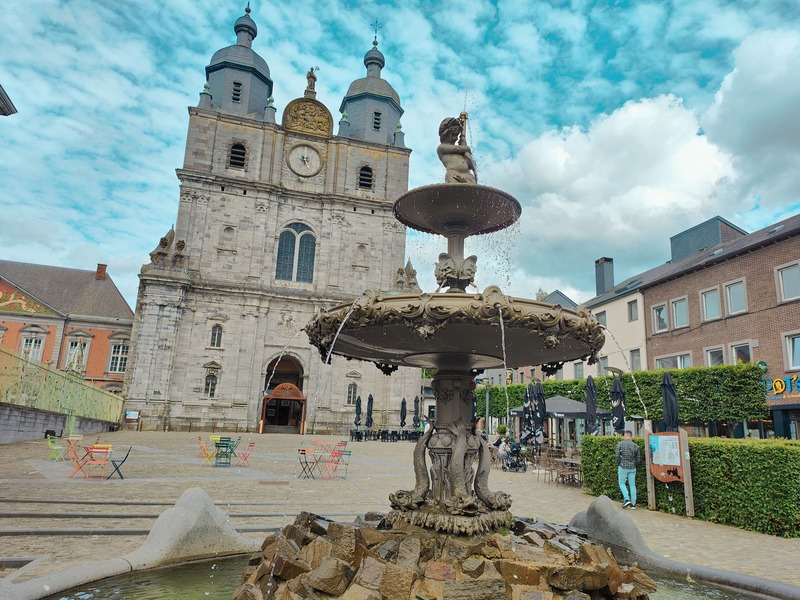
point(454, 153)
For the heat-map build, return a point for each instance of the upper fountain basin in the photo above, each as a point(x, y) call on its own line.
point(455, 331)
point(463, 208)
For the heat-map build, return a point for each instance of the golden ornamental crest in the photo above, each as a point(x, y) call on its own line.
point(307, 115)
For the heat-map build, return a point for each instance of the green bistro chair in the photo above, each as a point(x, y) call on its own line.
point(118, 463)
point(57, 451)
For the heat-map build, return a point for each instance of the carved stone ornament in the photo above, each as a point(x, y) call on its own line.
point(414, 329)
point(307, 115)
point(455, 497)
point(455, 273)
point(169, 253)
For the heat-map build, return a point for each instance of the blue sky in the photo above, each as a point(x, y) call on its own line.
point(616, 124)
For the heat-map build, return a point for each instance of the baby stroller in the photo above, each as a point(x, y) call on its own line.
point(515, 461)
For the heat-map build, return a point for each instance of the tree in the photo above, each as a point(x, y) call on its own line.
point(541, 295)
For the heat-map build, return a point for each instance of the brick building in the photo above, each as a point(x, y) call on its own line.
point(73, 319)
point(736, 301)
point(275, 221)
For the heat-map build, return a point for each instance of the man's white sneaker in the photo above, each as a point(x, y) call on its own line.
point(626, 504)
point(632, 507)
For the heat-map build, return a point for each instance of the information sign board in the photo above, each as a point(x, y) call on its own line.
point(666, 462)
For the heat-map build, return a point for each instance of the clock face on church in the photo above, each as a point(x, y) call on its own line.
point(304, 160)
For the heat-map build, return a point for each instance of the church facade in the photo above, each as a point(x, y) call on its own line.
point(276, 220)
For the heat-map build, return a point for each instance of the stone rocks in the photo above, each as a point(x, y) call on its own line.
point(317, 559)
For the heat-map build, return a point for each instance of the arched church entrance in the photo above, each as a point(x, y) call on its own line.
point(283, 410)
point(287, 370)
point(283, 407)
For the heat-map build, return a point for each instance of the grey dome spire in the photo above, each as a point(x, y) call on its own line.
point(372, 105)
point(245, 28)
point(374, 57)
point(238, 78)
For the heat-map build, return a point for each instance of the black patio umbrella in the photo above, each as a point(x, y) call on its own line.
point(403, 413)
point(670, 397)
point(357, 422)
point(368, 422)
point(618, 406)
point(527, 414)
point(415, 420)
point(591, 406)
point(539, 409)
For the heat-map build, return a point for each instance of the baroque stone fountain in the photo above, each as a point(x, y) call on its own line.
point(450, 536)
point(458, 333)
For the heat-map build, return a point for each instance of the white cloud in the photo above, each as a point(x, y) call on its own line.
point(635, 177)
point(87, 166)
point(754, 117)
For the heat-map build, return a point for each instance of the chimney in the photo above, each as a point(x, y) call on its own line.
point(604, 275)
point(100, 274)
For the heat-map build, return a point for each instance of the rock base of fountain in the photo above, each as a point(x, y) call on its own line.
point(437, 519)
point(367, 560)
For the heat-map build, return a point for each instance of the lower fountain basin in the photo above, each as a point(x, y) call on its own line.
point(457, 331)
point(218, 579)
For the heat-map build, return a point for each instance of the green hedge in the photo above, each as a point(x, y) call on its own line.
point(725, 393)
point(752, 484)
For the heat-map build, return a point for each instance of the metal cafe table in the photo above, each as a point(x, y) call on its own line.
point(225, 448)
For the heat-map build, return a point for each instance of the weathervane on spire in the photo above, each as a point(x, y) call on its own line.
point(376, 26)
point(247, 9)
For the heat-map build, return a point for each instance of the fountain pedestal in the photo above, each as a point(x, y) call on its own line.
point(453, 496)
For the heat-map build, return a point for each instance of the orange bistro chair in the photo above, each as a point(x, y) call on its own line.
point(244, 455)
point(98, 458)
point(330, 467)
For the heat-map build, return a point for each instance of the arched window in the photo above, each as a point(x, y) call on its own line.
point(237, 156)
point(352, 393)
point(211, 385)
point(296, 250)
point(365, 178)
point(216, 336)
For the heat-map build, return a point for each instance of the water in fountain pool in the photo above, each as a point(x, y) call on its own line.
point(217, 580)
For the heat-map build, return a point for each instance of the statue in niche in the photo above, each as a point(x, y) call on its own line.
point(454, 153)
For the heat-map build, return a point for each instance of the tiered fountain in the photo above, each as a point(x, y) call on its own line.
point(457, 333)
point(448, 537)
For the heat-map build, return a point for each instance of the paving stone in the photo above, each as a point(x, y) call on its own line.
point(332, 576)
point(408, 552)
point(440, 571)
point(371, 573)
point(476, 589)
point(397, 582)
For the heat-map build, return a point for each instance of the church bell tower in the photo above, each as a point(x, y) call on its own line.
point(276, 219)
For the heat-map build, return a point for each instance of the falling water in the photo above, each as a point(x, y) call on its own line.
point(280, 356)
point(505, 368)
point(277, 362)
point(320, 387)
point(625, 358)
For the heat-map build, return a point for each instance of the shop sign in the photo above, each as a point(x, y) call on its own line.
point(781, 388)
